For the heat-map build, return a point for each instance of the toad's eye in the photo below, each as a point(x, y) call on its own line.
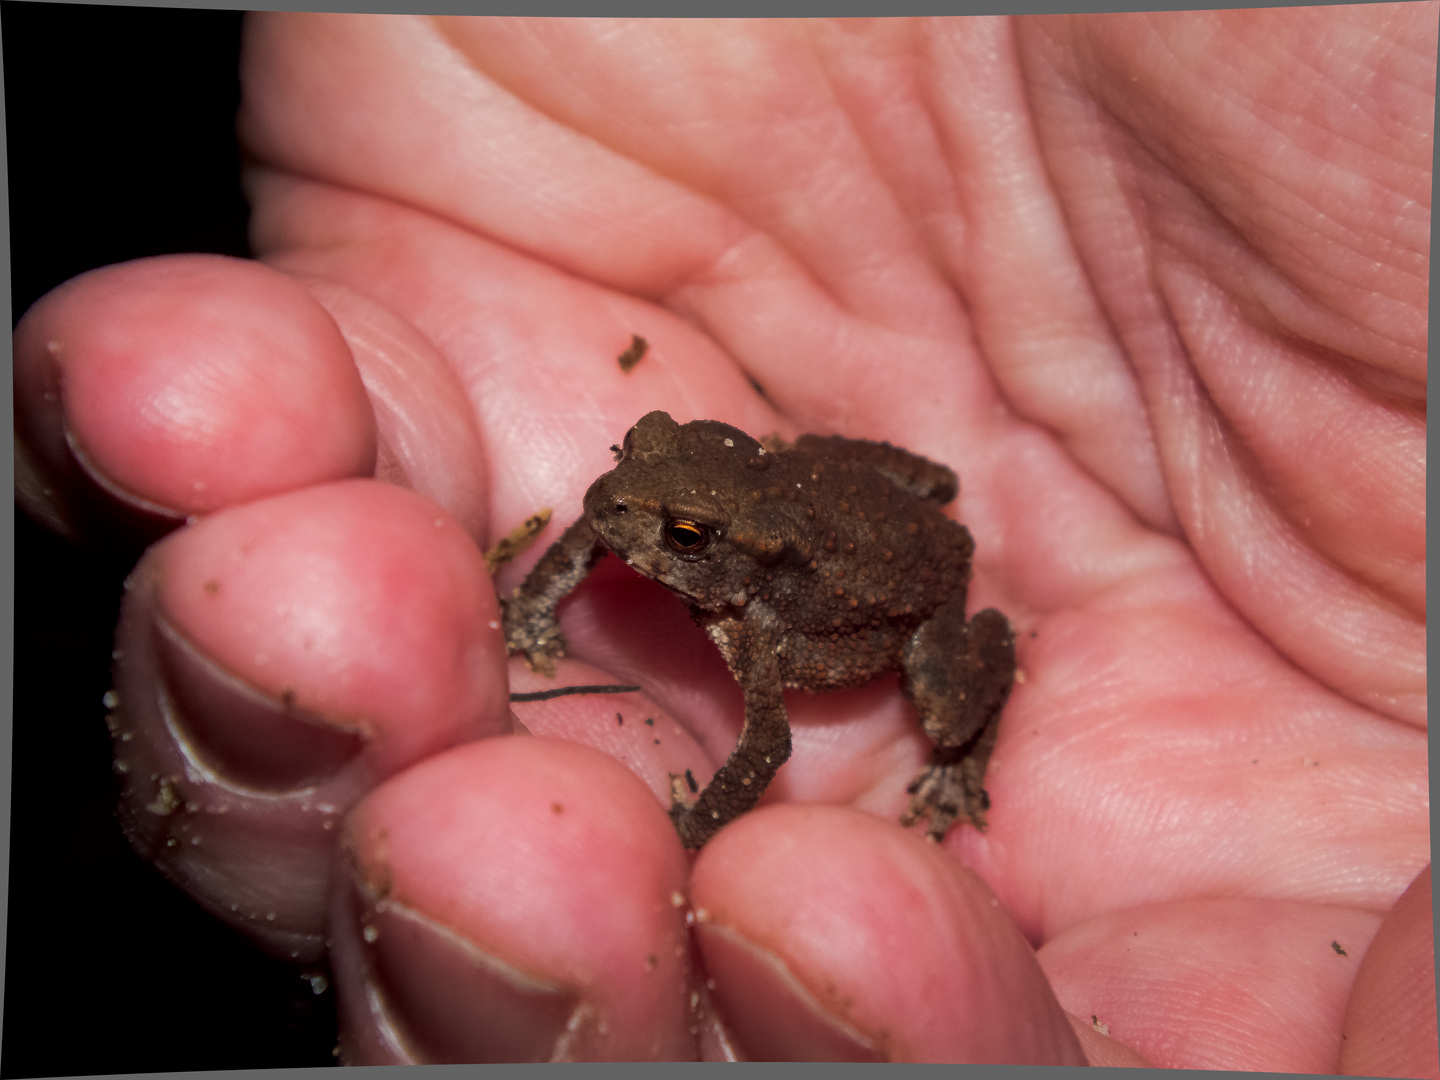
point(689, 538)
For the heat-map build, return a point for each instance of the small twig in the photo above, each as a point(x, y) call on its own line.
point(508, 547)
point(566, 691)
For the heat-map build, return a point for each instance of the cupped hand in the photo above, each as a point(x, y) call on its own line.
point(1155, 286)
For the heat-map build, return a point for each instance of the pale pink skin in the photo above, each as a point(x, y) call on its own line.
point(1154, 285)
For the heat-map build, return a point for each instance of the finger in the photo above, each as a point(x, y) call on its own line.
point(426, 439)
point(830, 935)
point(1216, 984)
point(1390, 1021)
point(428, 109)
point(517, 899)
point(1279, 341)
point(274, 661)
point(153, 390)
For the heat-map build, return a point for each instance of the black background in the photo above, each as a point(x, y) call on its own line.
point(120, 124)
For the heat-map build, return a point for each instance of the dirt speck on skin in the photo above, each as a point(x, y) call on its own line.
point(633, 354)
point(167, 800)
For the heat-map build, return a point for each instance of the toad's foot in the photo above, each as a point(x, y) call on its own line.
point(692, 830)
point(539, 656)
point(946, 788)
point(539, 638)
point(531, 625)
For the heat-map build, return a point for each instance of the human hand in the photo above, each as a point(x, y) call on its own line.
point(1050, 254)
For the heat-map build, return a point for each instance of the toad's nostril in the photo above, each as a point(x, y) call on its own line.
point(620, 508)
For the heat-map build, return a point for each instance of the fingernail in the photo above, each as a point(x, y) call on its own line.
point(447, 1001)
point(133, 501)
point(768, 1013)
point(94, 505)
point(239, 733)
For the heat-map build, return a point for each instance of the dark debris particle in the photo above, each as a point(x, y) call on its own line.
point(633, 354)
point(566, 691)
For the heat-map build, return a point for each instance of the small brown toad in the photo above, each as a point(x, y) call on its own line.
point(814, 566)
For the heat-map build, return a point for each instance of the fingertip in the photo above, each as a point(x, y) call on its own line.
point(273, 662)
point(176, 385)
point(1390, 1026)
point(550, 867)
point(353, 600)
point(899, 952)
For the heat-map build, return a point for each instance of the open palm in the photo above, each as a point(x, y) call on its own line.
point(1154, 286)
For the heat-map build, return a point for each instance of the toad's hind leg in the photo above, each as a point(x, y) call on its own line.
point(958, 675)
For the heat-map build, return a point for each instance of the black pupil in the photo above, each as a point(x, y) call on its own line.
point(685, 536)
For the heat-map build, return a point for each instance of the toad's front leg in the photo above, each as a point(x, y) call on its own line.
point(958, 675)
point(749, 650)
point(529, 612)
